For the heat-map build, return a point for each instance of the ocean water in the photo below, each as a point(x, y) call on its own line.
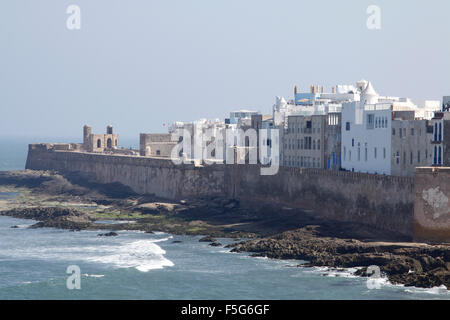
point(137, 265)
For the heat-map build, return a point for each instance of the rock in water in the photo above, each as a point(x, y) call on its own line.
point(208, 239)
point(215, 244)
point(109, 234)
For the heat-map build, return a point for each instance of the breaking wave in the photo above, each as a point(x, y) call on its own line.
point(144, 255)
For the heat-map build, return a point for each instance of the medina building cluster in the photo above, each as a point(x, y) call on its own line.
point(351, 128)
point(356, 129)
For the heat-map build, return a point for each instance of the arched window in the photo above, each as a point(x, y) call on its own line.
point(440, 132)
point(435, 131)
point(99, 143)
point(109, 143)
point(115, 143)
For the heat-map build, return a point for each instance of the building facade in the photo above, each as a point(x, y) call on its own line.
point(303, 142)
point(381, 135)
point(156, 145)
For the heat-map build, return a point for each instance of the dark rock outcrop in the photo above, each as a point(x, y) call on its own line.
point(208, 239)
point(108, 234)
point(411, 264)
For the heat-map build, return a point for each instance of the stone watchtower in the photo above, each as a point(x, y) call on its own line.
point(87, 131)
point(99, 142)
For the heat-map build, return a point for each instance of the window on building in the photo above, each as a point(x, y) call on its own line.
point(404, 132)
point(384, 153)
point(359, 154)
point(375, 153)
point(365, 154)
point(440, 132)
point(345, 154)
point(393, 131)
point(347, 126)
point(404, 157)
point(99, 143)
point(411, 158)
point(398, 157)
point(370, 121)
point(435, 131)
point(418, 156)
point(353, 142)
point(412, 131)
point(314, 144)
point(435, 155)
point(158, 152)
point(439, 156)
point(318, 144)
point(400, 132)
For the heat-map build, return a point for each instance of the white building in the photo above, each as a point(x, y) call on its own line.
point(235, 116)
point(382, 135)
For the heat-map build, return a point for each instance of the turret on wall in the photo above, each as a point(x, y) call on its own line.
point(99, 142)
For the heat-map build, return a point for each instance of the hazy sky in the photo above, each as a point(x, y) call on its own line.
point(139, 64)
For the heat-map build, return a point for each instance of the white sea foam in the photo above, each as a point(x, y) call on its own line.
point(435, 290)
point(94, 275)
point(144, 255)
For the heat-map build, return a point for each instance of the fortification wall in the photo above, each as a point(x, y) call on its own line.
point(432, 207)
point(381, 201)
point(144, 175)
point(384, 202)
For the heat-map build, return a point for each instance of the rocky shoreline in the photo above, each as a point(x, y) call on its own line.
point(74, 204)
point(410, 264)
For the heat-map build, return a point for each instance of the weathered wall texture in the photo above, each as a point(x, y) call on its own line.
point(144, 175)
point(432, 207)
point(381, 201)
